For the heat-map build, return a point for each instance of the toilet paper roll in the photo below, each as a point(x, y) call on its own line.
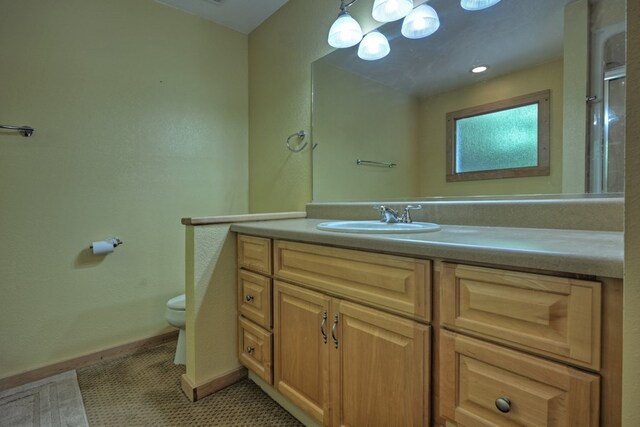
point(102, 247)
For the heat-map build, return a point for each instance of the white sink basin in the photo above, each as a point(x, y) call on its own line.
point(378, 227)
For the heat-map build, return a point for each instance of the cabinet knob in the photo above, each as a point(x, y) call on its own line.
point(249, 298)
point(250, 349)
point(503, 404)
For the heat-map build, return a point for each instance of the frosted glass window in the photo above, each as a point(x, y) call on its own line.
point(505, 139)
point(502, 140)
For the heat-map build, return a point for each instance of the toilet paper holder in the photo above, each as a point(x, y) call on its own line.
point(115, 241)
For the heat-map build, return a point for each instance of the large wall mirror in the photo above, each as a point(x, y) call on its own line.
point(380, 127)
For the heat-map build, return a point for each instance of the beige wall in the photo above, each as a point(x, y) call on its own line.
point(433, 111)
point(141, 118)
point(631, 339)
point(211, 309)
point(280, 53)
point(381, 126)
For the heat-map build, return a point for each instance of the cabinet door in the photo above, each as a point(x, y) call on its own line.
point(482, 384)
point(301, 327)
point(379, 368)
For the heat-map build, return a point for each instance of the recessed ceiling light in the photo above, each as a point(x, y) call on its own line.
point(479, 69)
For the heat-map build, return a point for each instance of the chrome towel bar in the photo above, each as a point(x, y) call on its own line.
point(24, 130)
point(374, 163)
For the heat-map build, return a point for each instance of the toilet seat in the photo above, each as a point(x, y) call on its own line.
point(177, 303)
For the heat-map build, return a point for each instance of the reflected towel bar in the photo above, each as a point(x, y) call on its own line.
point(374, 163)
point(24, 130)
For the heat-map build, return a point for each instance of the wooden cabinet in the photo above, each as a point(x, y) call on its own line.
point(352, 340)
point(482, 384)
point(302, 349)
point(349, 365)
point(254, 298)
point(511, 346)
point(340, 352)
point(254, 253)
point(255, 339)
point(400, 285)
point(552, 316)
point(254, 349)
point(379, 368)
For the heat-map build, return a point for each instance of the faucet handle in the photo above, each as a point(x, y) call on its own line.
point(407, 217)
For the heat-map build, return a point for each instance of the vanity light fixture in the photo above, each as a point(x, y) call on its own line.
point(374, 46)
point(479, 69)
point(391, 10)
point(418, 23)
point(477, 4)
point(421, 22)
point(345, 31)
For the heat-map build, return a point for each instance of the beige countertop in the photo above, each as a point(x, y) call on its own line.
point(593, 253)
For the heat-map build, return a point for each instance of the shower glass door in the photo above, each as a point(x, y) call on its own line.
point(614, 133)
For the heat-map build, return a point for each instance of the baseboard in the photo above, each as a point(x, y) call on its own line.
point(197, 392)
point(86, 360)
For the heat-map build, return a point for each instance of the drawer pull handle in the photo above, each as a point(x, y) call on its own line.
point(333, 330)
point(322, 326)
point(503, 404)
point(250, 349)
point(249, 298)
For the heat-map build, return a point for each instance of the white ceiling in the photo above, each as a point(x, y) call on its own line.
point(240, 15)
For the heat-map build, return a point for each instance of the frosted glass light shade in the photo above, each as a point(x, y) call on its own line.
point(374, 46)
point(345, 31)
point(391, 10)
point(477, 4)
point(421, 22)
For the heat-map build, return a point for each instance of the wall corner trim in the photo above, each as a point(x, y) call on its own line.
point(197, 392)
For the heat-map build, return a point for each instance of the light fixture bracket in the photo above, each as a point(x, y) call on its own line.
point(344, 6)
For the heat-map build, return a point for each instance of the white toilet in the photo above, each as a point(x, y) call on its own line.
point(176, 318)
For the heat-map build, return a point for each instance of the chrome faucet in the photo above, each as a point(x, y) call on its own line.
point(389, 215)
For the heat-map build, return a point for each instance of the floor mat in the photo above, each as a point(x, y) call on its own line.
point(53, 401)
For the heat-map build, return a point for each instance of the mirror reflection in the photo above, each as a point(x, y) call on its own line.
point(368, 115)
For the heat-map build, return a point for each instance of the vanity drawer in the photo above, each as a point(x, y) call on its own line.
point(553, 316)
point(254, 297)
point(255, 349)
point(397, 284)
point(254, 253)
point(476, 377)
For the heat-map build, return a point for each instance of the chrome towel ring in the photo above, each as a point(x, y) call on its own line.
point(301, 136)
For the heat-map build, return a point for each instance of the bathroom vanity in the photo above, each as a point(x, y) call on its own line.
point(468, 326)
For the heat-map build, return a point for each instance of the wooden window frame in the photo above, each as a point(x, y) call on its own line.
point(541, 98)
